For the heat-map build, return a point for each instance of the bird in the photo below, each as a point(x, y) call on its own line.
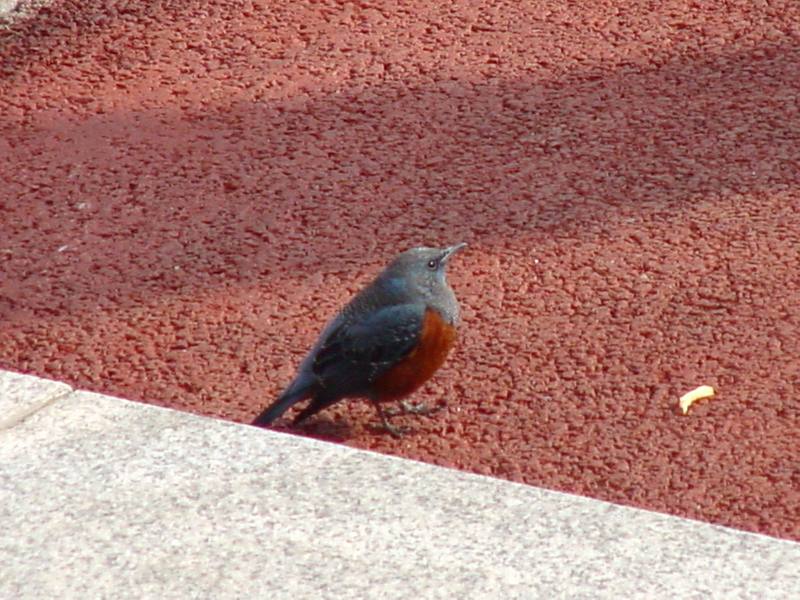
point(387, 341)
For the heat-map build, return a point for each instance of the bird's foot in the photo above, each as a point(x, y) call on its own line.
point(395, 430)
point(409, 408)
point(420, 408)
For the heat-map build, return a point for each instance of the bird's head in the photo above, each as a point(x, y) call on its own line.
point(423, 270)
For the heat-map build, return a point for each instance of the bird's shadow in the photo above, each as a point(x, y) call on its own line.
point(325, 429)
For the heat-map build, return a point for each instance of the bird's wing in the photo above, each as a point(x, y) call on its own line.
point(355, 353)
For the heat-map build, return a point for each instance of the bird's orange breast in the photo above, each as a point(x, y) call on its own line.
point(435, 341)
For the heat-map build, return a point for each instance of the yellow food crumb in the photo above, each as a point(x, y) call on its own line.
point(689, 398)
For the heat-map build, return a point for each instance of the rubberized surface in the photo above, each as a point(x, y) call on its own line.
point(190, 189)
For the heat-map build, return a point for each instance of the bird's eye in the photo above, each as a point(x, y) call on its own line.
point(432, 264)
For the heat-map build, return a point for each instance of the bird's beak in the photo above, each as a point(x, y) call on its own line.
point(448, 252)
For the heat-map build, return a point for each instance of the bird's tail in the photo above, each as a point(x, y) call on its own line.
point(294, 393)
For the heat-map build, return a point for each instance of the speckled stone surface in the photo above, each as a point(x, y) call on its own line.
point(7, 6)
point(22, 395)
point(11, 10)
point(101, 497)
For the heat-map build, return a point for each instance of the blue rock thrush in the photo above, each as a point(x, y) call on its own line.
point(384, 344)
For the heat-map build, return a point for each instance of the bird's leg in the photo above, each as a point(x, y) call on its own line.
point(393, 429)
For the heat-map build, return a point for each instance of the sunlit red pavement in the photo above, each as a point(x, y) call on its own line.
point(189, 190)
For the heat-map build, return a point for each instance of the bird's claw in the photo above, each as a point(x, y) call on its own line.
point(409, 408)
point(420, 408)
point(395, 430)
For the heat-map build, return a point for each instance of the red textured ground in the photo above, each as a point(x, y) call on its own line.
point(191, 188)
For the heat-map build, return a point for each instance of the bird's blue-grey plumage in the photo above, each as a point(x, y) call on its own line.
point(374, 331)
